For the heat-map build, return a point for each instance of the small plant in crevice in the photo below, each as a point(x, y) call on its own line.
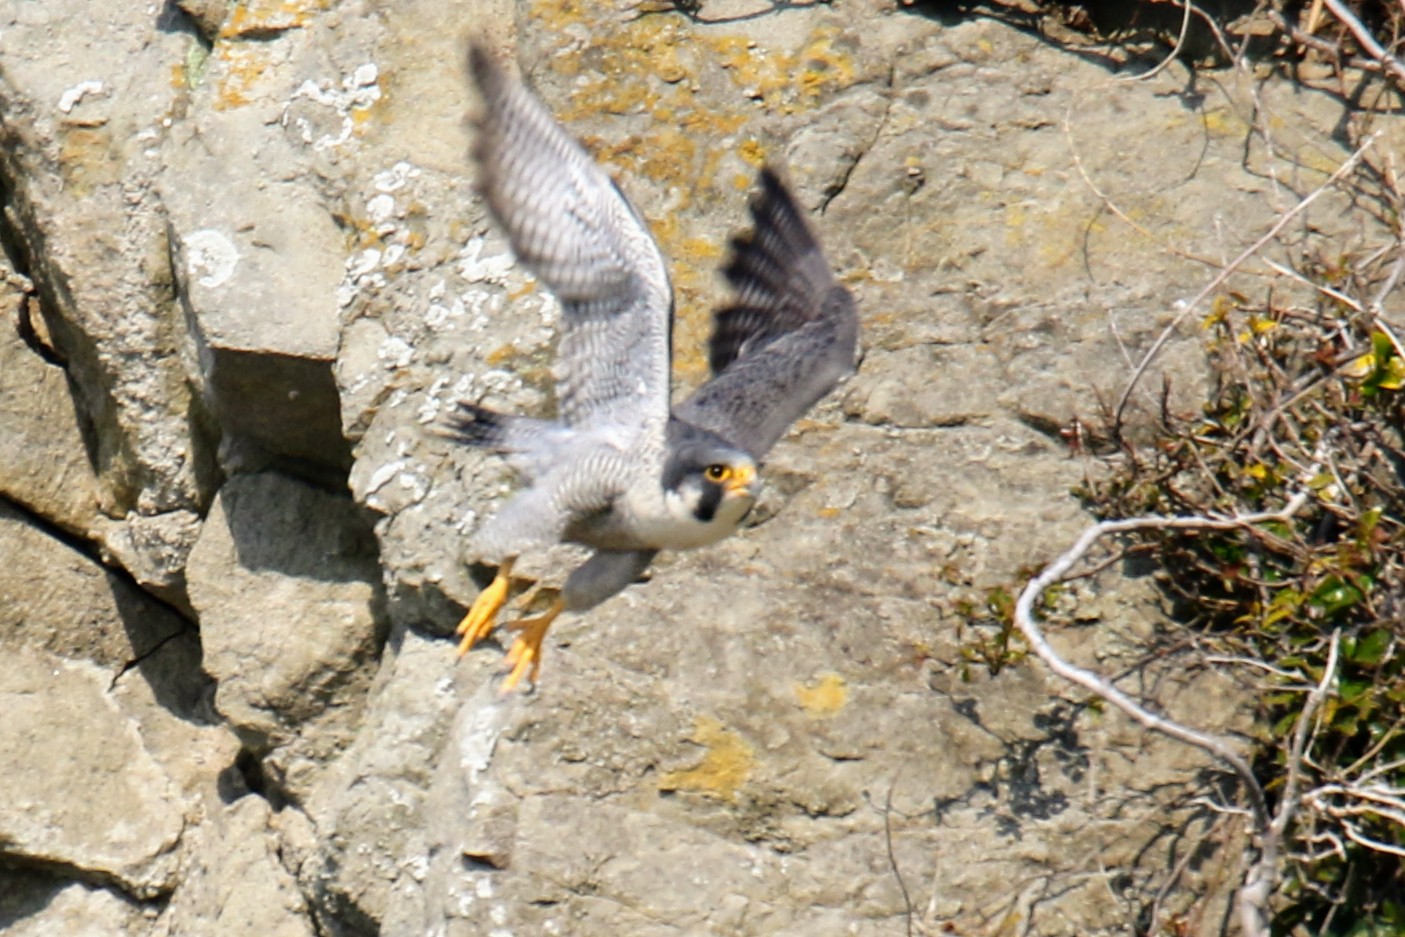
point(1304, 397)
point(987, 633)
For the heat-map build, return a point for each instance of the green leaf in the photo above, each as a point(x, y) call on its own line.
point(1334, 595)
point(1381, 346)
point(1285, 725)
point(1370, 649)
point(1352, 689)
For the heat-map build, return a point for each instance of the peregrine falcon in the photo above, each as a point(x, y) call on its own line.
point(620, 470)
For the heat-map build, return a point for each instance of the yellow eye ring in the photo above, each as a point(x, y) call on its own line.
point(717, 473)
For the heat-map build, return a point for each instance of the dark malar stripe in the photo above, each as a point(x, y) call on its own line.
point(708, 503)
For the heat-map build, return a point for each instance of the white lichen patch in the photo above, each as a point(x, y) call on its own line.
point(210, 257)
point(395, 178)
point(381, 208)
point(476, 268)
point(70, 98)
point(416, 484)
point(438, 316)
point(432, 403)
point(382, 476)
point(358, 91)
point(363, 269)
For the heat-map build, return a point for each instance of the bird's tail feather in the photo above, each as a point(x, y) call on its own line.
point(531, 446)
point(478, 426)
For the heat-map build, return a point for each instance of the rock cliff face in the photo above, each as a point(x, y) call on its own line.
point(246, 270)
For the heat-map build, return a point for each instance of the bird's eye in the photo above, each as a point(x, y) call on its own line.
point(717, 473)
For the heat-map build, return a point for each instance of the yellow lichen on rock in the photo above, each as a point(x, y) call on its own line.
point(658, 66)
point(823, 697)
point(725, 767)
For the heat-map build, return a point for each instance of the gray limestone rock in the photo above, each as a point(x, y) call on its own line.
point(61, 735)
point(233, 882)
point(255, 243)
point(78, 153)
point(43, 462)
point(33, 906)
point(108, 735)
point(298, 654)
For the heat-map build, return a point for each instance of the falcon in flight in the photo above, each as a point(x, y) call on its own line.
point(619, 470)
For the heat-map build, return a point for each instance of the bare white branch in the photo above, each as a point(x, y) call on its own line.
point(1368, 42)
point(1263, 874)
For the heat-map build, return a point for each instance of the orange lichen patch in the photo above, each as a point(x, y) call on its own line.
point(786, 82)
point(88, 159)
point(725, 767)
point(563, 13)
point(501, 354)
point(269, 16)
point(694, 266)
point(241, 66)
point(752, 152)
point(365, 234)
point(1223, 122)
point(824, 696)
point(823, 66)
point(702, 248)
point(829, 514)
point(690, 365)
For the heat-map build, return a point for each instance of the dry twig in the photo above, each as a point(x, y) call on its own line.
point(1259, 882)
point(1389, 63)
point(1262, 876)
point(1228, 269)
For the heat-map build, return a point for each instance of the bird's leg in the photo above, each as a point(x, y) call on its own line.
point(526, 649)
point(478, 623)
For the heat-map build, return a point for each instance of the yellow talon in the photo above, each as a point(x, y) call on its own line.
point(478, 623)
point(526, 651)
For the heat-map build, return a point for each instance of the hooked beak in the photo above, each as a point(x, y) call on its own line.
point(742, 482)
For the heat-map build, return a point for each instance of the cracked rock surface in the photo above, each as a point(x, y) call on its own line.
point(244, 273)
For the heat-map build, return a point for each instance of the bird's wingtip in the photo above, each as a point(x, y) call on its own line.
point(483, 65)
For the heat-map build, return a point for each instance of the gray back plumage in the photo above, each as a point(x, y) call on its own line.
point(569, 223)
point(790, 335)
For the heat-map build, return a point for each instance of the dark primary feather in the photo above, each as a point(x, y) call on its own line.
point(787, 339)
point(778, 271)
point(570, 224)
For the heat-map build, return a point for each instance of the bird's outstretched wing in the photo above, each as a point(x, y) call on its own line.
point(789, 337)
point(571, 225)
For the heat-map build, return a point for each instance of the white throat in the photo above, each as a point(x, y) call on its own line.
point(677, 527)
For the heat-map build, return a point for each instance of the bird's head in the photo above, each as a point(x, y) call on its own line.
point(706, 481)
